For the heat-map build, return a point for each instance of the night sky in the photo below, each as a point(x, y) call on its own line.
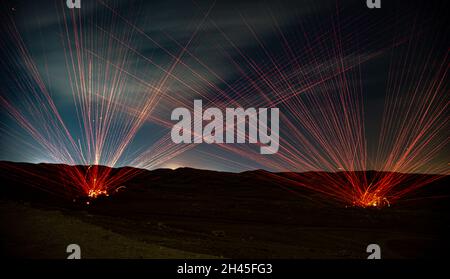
point(291, 43)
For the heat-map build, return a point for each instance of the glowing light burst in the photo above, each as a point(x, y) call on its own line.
point(99, 65)
point(325, 125)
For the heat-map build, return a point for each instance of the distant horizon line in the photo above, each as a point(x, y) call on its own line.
point(216, 170)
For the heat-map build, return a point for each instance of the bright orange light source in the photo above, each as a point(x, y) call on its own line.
point(96, 193)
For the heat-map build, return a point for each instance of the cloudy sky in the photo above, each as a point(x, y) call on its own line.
point(126, 65)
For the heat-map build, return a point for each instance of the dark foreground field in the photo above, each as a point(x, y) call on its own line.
point(189, 213)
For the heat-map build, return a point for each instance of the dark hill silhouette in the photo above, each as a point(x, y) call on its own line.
point(250, 214)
